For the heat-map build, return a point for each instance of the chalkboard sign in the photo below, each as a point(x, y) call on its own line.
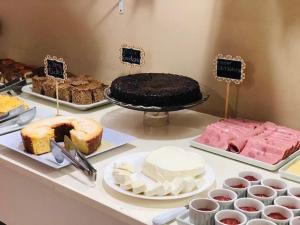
point(55, 67)
point(230, 69)
point(131, 55)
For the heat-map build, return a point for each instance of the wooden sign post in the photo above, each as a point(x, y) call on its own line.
point(231, 70)
point(56, 68)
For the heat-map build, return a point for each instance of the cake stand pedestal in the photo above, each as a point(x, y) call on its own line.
point(155, 116)
point(156, 119)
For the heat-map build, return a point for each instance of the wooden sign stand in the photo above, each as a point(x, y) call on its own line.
point(231, 70)
point(55, 68)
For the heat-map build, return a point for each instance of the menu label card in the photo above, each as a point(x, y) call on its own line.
point(55, 67)
point(132, 56)
point(229, 69)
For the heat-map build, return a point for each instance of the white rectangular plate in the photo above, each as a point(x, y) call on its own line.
point(28, 90)
point(110, 140)
point(285, 174)
point(242, 158)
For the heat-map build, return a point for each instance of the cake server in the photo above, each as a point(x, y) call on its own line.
point(71, 152)
point(168, 216)
point(19, 119)
point(12, 113)
point(17, 123)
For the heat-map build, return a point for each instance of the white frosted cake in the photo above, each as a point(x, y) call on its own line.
point(168, 163)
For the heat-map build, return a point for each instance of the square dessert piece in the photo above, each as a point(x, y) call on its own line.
point(82, 95)
point(49, 88)
point(64, 92)
point(37, 84)
point(97, 90)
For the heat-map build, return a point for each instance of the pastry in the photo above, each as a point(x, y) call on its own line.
point(82, 95)
point(85, 134)
point(64, 92)
point(37, 84)
point(155, 89)
point(49, 87)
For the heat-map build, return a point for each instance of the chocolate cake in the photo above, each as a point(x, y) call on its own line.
point(155, 89)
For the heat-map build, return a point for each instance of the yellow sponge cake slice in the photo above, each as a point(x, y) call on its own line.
point(85, 133)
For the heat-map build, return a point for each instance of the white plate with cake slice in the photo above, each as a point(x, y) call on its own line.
point(111, 139)
point(148, 188)
point(28, 90)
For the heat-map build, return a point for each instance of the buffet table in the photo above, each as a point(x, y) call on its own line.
point(32, 193)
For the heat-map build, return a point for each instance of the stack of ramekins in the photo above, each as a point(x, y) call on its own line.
point(248, 199)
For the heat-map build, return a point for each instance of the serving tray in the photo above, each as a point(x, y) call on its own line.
point(242, 158)
point(285, 174)
point(28, 90)
point(110, 140)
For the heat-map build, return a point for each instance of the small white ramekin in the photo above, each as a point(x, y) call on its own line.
point(287, 201)
point(200, 217)
point(295, 221)
point(223, 192)
point(277, 209)
point(233, 181)
point(260, 189)
point(260, 222)
point(294, 191)
point(278, 185)
point(249, 202)
point(258, 176)
point(228, 213)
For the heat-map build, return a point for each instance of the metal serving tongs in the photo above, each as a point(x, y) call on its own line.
point(13, 85)
point(71, 152)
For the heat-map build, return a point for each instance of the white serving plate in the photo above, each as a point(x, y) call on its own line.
point(137, 159)
point(242, 158)
point(285, 174)
point(28, 90)
point(110, 140)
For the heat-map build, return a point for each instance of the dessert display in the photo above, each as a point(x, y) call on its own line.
point(85, 133)
point(77, 89)
point(167, 171)
point(155, 89)
point(8, 103)
point(266, 142)
point(11, 70)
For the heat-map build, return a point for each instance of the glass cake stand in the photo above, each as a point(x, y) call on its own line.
point(153, 115)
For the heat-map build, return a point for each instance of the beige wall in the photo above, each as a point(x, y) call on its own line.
point(178, 37)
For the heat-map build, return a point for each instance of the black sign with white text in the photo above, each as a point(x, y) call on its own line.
point(55, 69)
point(230, 69)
